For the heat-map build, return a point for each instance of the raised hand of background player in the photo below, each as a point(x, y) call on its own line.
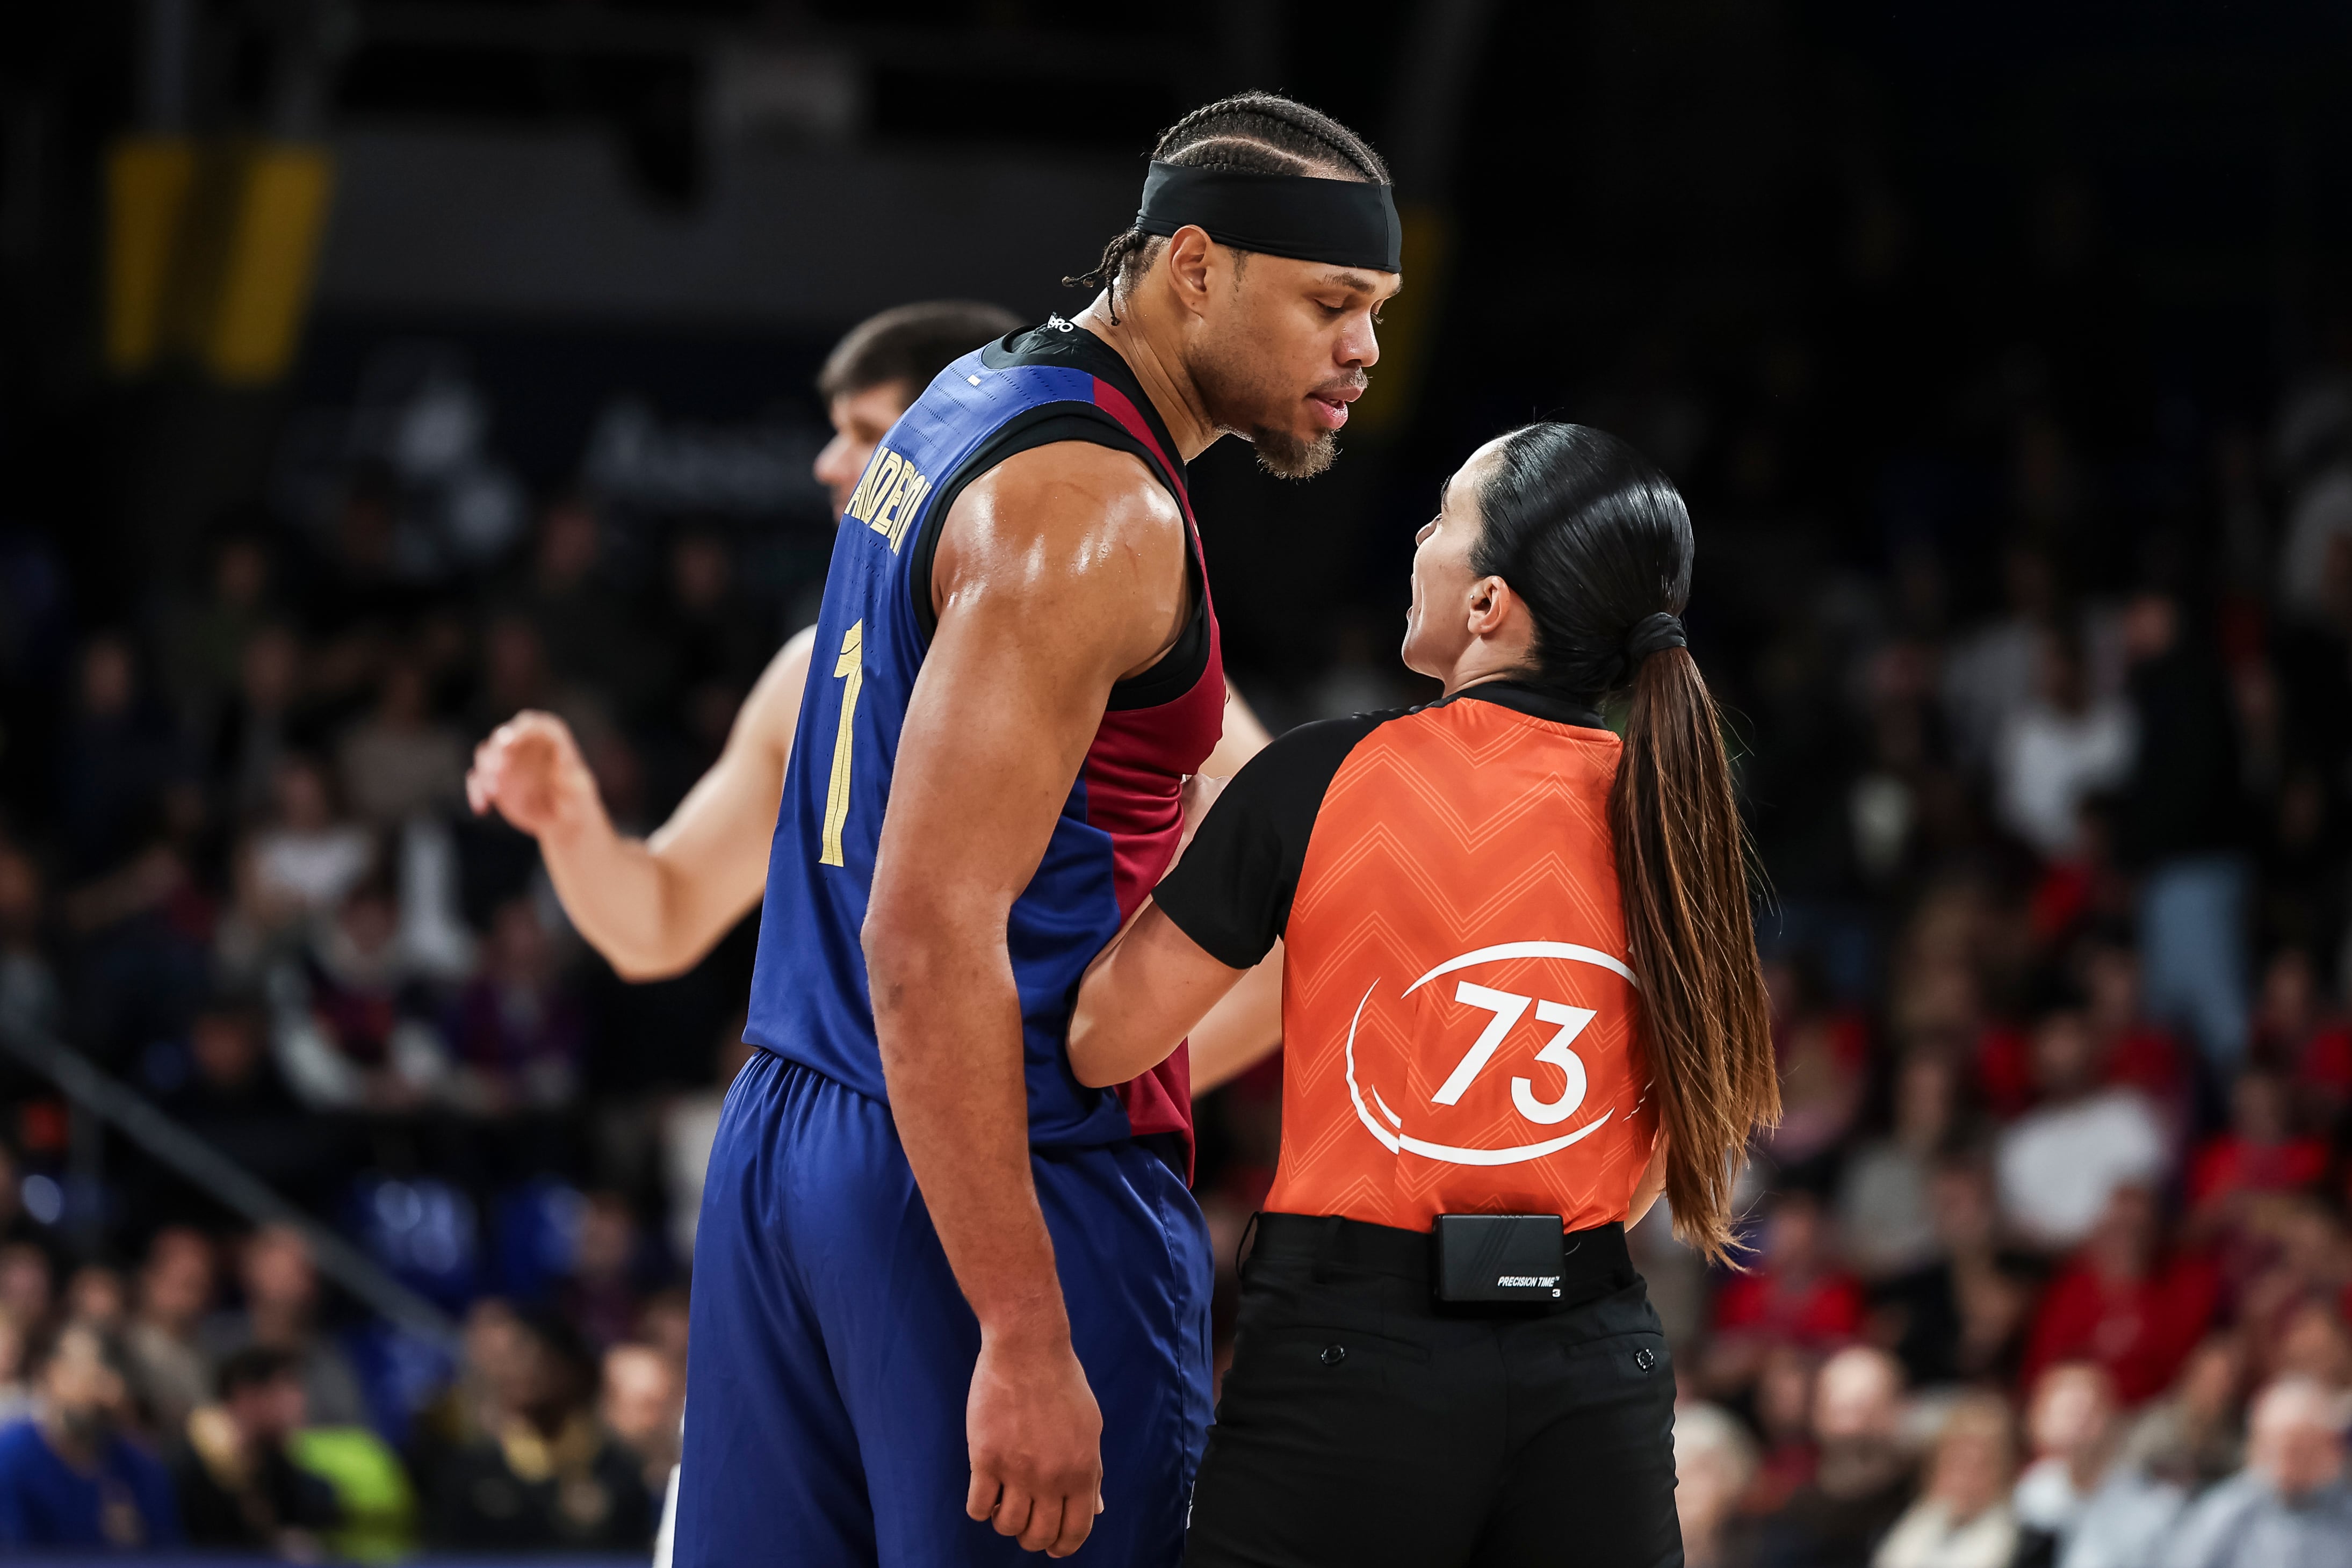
point(1035, 1434)
point(532, 771)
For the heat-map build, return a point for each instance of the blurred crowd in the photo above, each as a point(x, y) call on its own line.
point(2051, 1262)
point(236, 872)
point(206, 1399)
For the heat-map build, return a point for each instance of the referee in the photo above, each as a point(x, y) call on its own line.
point(1521, 998)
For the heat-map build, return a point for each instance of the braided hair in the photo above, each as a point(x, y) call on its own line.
point(1259, 132)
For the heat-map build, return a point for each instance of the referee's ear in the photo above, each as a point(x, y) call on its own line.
point(1498, 614)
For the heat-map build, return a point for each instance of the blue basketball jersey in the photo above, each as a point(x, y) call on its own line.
point(1120, 827)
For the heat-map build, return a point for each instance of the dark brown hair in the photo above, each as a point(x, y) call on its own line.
point(910, 343)
point(1598, 544)
point(1261, 132)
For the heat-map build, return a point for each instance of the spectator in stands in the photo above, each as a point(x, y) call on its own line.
point(466, 1409)
point(1886, 1221)
point(228, 1088)
point(2132, 1053)
point(239, 1487)
point(2182, 824)
point(118, 753)
point(1822, 1052)
point(169, 1370)
point(518, 1033)
point(2291, 1507)
point(2195, 1435)
point(2074, 1430)
point(261, 727)
point(1797, 1293)
point(2053, 751)
point(2298, 1033)
point(1863, 1483)
point(2061, 1161)
point(546, 1477)
point(515, 673)
point(2314, 1341)
point(70, 1478)
point(2259, 1153)
point(2125, 1303)
point(401, 761)
point(30, 996)
point(1714, 1460)
point(1962, 1519)
point(642, 1401)
point(1782, 1406)
point(1962, 1317)
point(361, 1039)
point(1990, 674)
point(27, 1284)
point(662, 1322)
point(588, 627)
point(16, 1394)
point(95, 1300)
point(201, 638)
point(280, 1312)
point(2135, 1488)
point(309, 857)
point(601, 1296)
point(718, 644)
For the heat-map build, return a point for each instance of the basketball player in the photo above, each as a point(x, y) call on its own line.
point(654, 906)
point(949, 1305)
point(1521, 1000)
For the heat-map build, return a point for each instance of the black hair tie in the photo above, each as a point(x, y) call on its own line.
point(1651, 633)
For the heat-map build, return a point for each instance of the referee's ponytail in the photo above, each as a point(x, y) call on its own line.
point(1598, 544)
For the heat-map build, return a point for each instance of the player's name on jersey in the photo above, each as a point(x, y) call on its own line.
point(889, 495)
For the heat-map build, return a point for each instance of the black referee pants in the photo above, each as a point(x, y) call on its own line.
point(1364, 1424)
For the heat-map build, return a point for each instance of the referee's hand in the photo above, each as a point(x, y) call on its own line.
point(1036, 1444)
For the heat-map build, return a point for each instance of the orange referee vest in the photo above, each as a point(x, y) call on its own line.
point(1460, 1022)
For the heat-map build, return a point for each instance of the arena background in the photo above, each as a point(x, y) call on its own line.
point(373, 366)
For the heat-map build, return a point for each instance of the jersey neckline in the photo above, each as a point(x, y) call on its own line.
point(1531, 700)
point(1058, 340)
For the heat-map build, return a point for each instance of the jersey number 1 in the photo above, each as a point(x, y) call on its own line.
point(849, 667)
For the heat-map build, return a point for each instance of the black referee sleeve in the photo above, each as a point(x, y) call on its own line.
point(1232, 891)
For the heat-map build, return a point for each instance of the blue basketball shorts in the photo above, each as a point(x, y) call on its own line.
point(831, 1354)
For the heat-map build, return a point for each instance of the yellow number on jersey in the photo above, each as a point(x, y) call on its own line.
point(851, 667)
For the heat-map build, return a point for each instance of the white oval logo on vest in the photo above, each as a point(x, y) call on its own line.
point(1508, 1008)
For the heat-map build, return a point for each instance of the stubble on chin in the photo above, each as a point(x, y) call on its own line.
point(1237, 399)
point(1285, 456)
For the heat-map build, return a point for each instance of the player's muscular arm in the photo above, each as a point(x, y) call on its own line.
point(1058, 573)
point(653, 907)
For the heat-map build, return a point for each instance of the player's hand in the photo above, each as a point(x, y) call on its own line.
point(531, 771)
point(1036, 1445)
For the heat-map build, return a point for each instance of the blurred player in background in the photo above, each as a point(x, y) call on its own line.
point(654, 906)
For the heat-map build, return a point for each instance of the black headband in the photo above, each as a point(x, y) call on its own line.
point(1347, 223)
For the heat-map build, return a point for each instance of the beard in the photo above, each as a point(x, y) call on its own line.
point(1238, 396)
point(1285, 456)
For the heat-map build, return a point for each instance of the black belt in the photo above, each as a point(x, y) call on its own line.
point(1593, 1262)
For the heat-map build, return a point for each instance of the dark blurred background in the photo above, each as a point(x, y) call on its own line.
point(369, 369)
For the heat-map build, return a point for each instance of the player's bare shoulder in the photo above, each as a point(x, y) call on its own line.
point(1075, 523)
